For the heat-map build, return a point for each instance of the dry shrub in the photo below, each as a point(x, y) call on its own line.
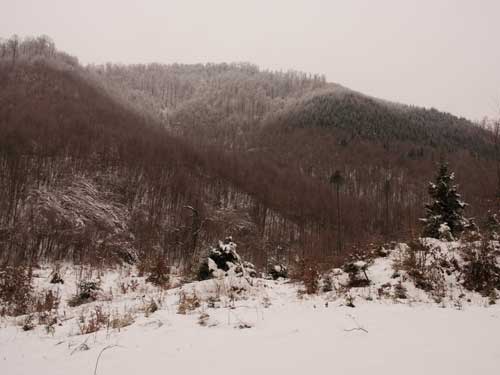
point(384, 291)
point(119, 321)
point(426, 267)
point(349, 300)
point(55, 277)
point(47, 301)
point(130, 286)
point(243, 325)
point(86, 292)
point(266, 302)
point(15, 290)
point(49, 319)
point(493, 296)
point(414, 259)
point(159, 273)
point(327, 283)
point(311, 279)
point(187, 303)
point(471, 235)
point(98, 320)
point(28, 322)
point(481, 272)
point(307, 271)
point(203, 319)
point(400, 291)
point(150, 307)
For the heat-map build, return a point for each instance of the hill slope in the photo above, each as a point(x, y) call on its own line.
point(306, 128)
point(184, 155)
point(84, 178)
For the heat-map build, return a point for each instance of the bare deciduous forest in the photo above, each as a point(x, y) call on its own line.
point(127, 163)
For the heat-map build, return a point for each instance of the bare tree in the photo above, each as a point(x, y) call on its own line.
point(13, 45)
point(3, 48)
point(387, 195)
point(338, 180)
point(496, 132)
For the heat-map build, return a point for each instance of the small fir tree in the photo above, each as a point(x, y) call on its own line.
point(445, 209)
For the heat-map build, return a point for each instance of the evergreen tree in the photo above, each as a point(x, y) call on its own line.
point(444, 212)
point(338, 180)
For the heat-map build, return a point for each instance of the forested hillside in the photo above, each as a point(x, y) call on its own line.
point(85, 178)
point(300, 126)
point(129, 163)
point(214, 102)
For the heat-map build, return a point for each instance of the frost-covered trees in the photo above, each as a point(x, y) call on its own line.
point(29, 49)
point(444, 213)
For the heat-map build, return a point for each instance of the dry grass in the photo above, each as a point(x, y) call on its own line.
point(100, 319)
point(187, 303)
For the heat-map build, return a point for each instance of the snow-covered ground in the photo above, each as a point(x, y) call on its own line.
point(238, 325)
point(285, 338)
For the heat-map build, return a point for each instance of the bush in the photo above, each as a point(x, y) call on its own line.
point(222, 260)
point(306, 270)
point(400, 291)
point(277, 271)
point(414, 262)
point(425, 266)
point(187, 303)
point(121, 321)
point(28, 323)
point(151, 307)
point(357, 274)
point(47, 301)
point(203, 319)
point(349, 301)
point(160, 273)
point(493, 296)
point(56, 278)
point(492, 225)
point(87, 291)
point(49, 320)
point(311, 280)
point(16, 290)
point(327, 283)
point(98, 320)
point(481, 272)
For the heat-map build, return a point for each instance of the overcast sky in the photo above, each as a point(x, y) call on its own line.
point(433, 53)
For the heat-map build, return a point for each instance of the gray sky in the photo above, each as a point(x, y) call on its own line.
point(439, 53)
